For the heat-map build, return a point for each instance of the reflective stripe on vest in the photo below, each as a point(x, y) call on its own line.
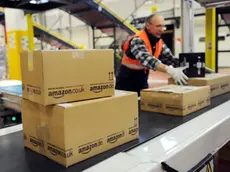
point(135, 64)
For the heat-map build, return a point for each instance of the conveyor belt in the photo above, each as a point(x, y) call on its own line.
point(11, 97)
point(16, 158)
point(11, 93)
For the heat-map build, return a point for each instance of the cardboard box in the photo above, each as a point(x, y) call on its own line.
point(175, 100)
point(51, 77)
point(71, 132)
point(219, 83)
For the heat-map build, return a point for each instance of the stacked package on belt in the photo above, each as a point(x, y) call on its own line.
point(51, 77)
point(219, 83)
point(70, 110)
point(175, 100)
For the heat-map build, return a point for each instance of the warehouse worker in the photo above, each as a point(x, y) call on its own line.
point(146, 50)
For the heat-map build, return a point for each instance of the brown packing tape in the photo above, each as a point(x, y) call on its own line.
point(26, 139)
point(30, 61)
point(50, 148)
point(54, 150)
point(41, 129)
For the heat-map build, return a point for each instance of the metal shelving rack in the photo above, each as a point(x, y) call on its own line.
point(225, 15)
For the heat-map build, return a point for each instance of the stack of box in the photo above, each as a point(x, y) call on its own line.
point(183, 100)
point(219, 83)
point(173, 99)
point(69, 108)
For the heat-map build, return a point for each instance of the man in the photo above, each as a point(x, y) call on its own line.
point(145, 51)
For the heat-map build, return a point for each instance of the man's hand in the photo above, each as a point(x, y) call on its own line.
point(177, 74)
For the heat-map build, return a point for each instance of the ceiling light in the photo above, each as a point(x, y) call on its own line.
point(33, 2)
point(38, 1)
point(148, 2)
point(216, 4)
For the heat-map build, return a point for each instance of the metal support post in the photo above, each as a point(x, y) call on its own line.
point(187, 26)
point(216, 50)
point(211, 41)
point(70, 28)
point(30, 32)
point(114, 37)
point(93, 37)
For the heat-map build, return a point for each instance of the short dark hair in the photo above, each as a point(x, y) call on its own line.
point(149, 19)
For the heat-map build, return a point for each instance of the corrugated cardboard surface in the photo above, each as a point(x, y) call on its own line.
point(219, 83)
point(51, 77)
point(175, 100)
point(71, 132)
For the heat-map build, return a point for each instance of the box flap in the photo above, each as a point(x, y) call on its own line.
point(65, 105)
point(173, 89)
point(211, 76)
point(118, 93)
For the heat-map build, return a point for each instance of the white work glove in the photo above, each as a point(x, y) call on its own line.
point(177, 74)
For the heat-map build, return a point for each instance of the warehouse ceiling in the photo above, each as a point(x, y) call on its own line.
point(35, 5)
point(226, 18)
point(214, 3)
point(225, 14)
point(2, 17)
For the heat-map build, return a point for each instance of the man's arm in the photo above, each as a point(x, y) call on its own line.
point(167, 57)
point(139, 50)
point(141, 53)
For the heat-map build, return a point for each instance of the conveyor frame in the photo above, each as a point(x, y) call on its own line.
point(151, 126)
point(221, 11)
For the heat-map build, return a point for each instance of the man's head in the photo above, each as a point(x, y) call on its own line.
point(155, 24)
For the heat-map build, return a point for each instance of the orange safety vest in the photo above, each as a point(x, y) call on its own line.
point(135, 64)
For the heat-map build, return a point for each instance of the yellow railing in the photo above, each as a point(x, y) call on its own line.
point(135, 30)
point(56, 35)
